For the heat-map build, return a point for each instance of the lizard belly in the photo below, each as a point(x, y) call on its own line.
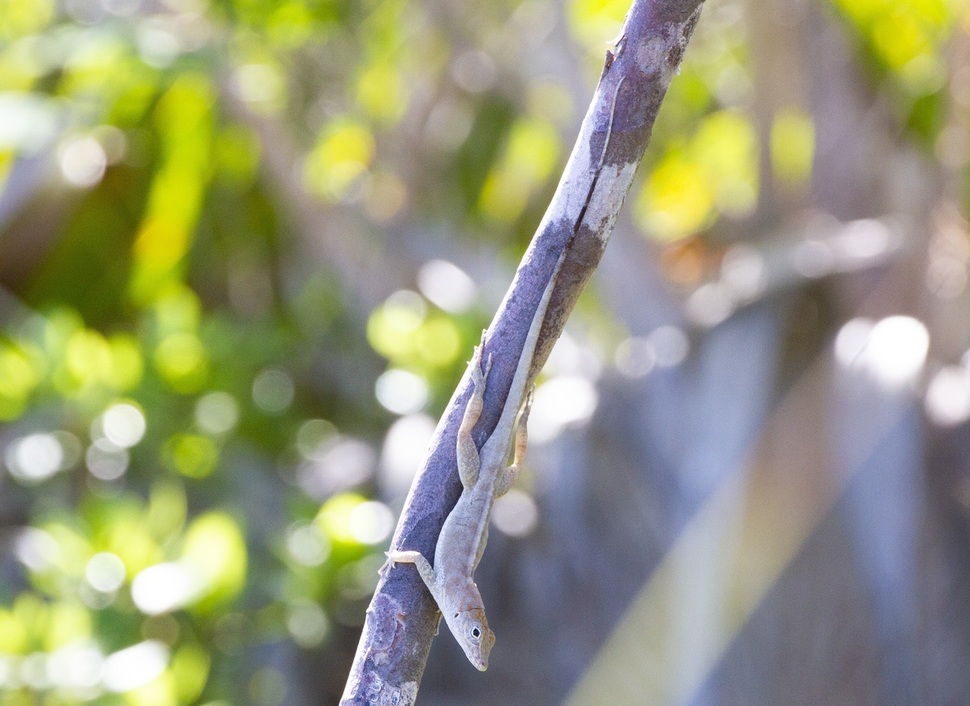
point(465, 531)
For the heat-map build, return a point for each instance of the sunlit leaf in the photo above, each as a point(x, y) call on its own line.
point(192, 455)
point(392, 326)
point(215, 550)
point(726, 147)
point(33, 614)
point(438, 341)
point(237, 151)
point(166, 510)
point(175, 198)
point(677, 198)
point(190, 670)
point(161, 691)
point(596, 22)
point(290, 25)
point(13, 633)
point(19, 375)
point(334, 517)
point(714, 173)
point(177, 310)
point(792, 146)
point(529, 157)
point(127, 366)
point(342, 154)
point(21, 17)
point(381, 92)
point(88, 358)
point(182, 361)
point(129, 538)
point(69, 622)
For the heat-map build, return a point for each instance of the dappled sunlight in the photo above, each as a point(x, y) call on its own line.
point(747, 533)
point(260, 85)
point(532, 151)
point(246, 252)
point(315, 438)
point(410, 335)
point(370, 522)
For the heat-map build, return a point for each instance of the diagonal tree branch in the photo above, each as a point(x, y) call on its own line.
point(402, 616)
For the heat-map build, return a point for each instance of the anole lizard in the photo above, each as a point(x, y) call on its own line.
point(484, 477)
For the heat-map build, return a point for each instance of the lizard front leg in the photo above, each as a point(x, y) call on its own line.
point(420, 563)
point(507, 477)
point(469, 463)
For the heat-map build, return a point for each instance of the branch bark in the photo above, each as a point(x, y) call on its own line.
point(402, 617)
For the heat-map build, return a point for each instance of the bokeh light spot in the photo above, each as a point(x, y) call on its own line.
point(34, 458)
point(123, 425)
point(164, 587)
point(447, 286)
point(105, 572)
point(106, 461)
point(401, 391)
point(405, 444)
point(315, 437)
point(515, 513)
point(948, 396)
point(273, 390)
point(307, 623)
point(135, 666)
point(561, 402)
point(83, 161)
point(216, 412)
point(306, 545)
point(635, 357)
point(371, 522)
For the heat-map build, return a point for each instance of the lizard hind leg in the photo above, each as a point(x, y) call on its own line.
point(468, 461)
point(507, 477)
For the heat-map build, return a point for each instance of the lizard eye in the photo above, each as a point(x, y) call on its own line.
point(476, 633)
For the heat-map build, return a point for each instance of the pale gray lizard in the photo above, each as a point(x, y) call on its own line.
point(484, 477)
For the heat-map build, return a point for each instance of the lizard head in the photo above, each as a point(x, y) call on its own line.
point(474, 636)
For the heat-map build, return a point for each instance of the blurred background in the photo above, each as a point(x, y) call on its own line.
point(245, 251)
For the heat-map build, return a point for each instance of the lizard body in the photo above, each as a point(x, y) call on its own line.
point(484, 477)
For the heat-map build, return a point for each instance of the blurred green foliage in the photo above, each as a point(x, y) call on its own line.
point(188, 470)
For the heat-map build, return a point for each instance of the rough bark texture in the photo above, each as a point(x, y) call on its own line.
point(402, 617)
